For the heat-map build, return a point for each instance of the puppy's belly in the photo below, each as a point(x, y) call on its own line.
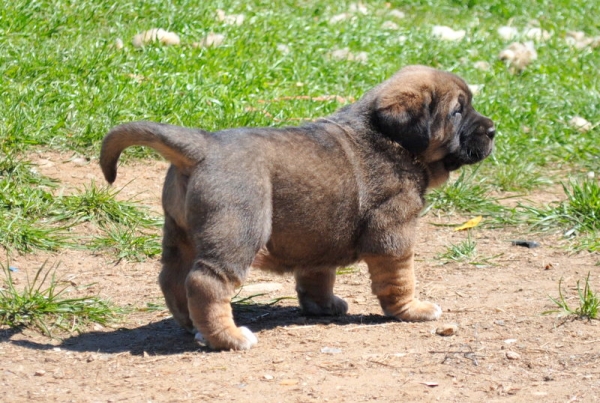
point(284, 260)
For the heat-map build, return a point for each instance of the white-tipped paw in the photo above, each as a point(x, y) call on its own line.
point(437, 312)
point(248, 341)
point(250, 337)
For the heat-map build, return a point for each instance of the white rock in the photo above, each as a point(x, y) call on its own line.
point(481, 65)
point(397, 14)
point(231, 19)
point(508, 33)
point(119, 44)
point(285, 49)
point(345, 54)
point(339, 18)
point(359, 8)
point(511, 355)
point(331, 350)
point(447, 34)
point(448, 329)
point(210, 40)
point(580, 124)
point(390, 25)
point(537, 34)
point(156, 35)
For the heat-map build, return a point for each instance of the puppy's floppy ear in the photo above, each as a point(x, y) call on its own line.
point(405, 118)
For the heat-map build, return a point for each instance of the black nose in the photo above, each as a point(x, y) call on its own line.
point(491, 132)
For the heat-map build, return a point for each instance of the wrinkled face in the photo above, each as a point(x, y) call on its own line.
point(429, 113)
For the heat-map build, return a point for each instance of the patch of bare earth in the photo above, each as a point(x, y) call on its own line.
point(503, 349)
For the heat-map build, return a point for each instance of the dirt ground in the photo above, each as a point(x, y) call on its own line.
point(503, 350)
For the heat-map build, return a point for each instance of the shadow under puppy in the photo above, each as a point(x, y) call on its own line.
point(306, 199)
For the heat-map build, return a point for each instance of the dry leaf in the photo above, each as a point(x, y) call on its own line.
point(518, 55)
point(473, 222)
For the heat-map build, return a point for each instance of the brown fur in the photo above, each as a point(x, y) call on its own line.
point(307, 199)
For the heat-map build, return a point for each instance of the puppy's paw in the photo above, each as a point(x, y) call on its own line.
point(250, 337)
point(417, 311)
point(200, 338)
point(240, 339)
point(333, 307)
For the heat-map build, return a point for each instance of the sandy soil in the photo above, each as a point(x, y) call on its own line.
point(503, 349)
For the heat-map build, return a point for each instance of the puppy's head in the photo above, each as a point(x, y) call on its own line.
point(429, 113)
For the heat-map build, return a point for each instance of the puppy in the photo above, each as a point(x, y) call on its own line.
point(307, 199)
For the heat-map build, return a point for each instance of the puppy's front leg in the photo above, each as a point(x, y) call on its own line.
point(393, 282)
point(209, 303)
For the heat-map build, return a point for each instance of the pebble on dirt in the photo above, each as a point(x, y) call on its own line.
point(447, 329)
point(511, 355)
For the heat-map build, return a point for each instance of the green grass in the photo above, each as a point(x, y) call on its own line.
point(465, 252)
point(578, 217)
point(127, 243)
point(45, 305)
point(99, 204)
point(460, 252)
point(588, 302)
point(65, 84)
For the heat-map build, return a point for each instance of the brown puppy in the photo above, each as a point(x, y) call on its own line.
point(307, 199)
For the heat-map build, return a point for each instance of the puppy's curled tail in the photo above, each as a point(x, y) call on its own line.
point(181, 146)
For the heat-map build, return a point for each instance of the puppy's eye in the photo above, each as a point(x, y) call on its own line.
point(457, 112)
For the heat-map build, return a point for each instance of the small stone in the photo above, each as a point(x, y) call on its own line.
point(581, 124)
point(447, 34)
point(40, 372)
point(508, 33)
point(511, 355)
point(119, 44)
point(80, 161)
point(285, 49)
point(210, 40)
point(397, 14)
point(268, 377)
point(155, 35)
point(390, 25)
point(331, 350)
point(448, 329)
point(481, 65)
point(499, 322)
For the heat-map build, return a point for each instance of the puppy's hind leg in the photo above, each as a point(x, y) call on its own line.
point(226, 241)
point(209, 297)
point(315, 292)
point(177, 260)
